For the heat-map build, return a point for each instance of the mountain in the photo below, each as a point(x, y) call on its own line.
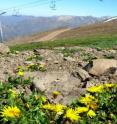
point(99, 29)
point(111, 19)
point(104, 28)
point(16, 26)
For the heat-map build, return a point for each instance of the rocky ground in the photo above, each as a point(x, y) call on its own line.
point(68, 70)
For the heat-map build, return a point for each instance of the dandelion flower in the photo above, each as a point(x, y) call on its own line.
point(55, 93)
point(109, 85)
point(20, 73)
point(81, 109)
point(10, 111)
point(96, 89)
point(91, 113)
point(87, 99)
point(48, 107)
point(72, 115)
point(59, 109)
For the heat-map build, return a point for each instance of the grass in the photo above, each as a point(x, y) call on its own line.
point(101, 41)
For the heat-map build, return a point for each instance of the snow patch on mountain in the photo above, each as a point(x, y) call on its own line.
point(111, 19)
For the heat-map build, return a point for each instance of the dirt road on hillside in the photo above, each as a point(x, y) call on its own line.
point(52, 36)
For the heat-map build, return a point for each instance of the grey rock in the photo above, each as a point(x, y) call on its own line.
point(82, 74)
point(99, 66)
point(61, 81)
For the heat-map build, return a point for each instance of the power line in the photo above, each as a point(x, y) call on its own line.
point(16, 9)
point(22, 5)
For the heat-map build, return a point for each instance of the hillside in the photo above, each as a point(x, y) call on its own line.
point(104, 28)
point(16, 26)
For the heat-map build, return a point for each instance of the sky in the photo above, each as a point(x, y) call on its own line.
point(63, 7)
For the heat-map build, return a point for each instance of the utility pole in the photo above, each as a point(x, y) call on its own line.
point(1, 30)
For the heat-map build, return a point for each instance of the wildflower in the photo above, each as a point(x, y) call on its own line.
point(59, 109)
point(20, 73)
point(109, 85)
point(55, 93)
point(48, 107)
point(81, 109)
point(10, 111)
point(96, 89)
point(87, 99)
point(72, 115)
point(91, 113)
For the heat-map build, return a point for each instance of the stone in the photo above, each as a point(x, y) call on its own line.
point(100, 66)
point(82, 74)
point(4, 49)
point(61, 81)
point(56, 62)
point(69, 59)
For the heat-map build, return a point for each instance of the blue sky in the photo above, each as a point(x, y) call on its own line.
point(63, 7)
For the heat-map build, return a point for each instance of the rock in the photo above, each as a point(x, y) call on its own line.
point(61, 81)
point(56, 62)
point(113, 51)
point(4, 49)
point(70, 59)
point(28, 62)
point(99, 66)
point(82, 74)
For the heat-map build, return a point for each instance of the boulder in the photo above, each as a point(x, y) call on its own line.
point(61, 81)
point(100, 66)
point(82, 74)
point(4, 49)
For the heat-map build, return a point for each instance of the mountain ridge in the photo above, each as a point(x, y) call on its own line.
point(16, 26)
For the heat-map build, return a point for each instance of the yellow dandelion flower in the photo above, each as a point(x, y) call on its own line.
point(55, 93)
point(10, 111)
point(91, 113)
point(87, 99)
point(72, 115)
point(59, 109)
point(48, 107)
point(81, 109)
point(109, 85)
point(20, 73)
point(96, 89)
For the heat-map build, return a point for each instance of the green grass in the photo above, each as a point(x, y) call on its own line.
point(108, 41)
